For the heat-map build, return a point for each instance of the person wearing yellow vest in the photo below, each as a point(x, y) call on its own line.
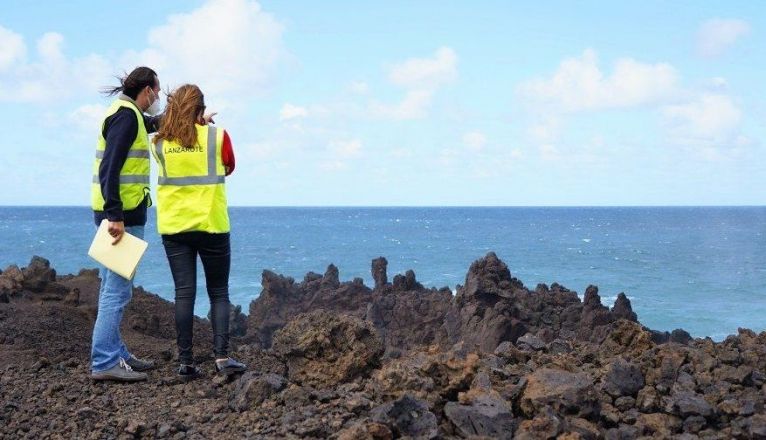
point(193, 219)
point(120, 194)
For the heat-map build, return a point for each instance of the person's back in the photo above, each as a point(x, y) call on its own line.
point(191, 184)
point(192, 216)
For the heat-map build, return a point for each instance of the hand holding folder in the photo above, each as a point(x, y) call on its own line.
point(121, 258)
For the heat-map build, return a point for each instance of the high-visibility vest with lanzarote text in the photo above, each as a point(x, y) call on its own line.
point(191, 192)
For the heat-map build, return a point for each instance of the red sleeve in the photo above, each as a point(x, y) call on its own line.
point(227, 153)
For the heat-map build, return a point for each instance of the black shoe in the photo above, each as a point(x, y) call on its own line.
point(229, 366)
point(139, 364)
point(188, 373)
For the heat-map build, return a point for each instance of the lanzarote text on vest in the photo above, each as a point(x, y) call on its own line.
point(197, 149)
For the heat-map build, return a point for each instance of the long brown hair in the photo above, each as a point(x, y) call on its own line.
point(185, 106)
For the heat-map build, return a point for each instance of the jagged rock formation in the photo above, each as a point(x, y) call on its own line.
point(332, 359)
point(491, 308)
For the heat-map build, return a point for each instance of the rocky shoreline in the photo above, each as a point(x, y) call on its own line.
point(341, 360)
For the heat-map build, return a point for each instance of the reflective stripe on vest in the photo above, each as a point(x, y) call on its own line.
point(212, 177)
point(128, 179)
point(140, 154)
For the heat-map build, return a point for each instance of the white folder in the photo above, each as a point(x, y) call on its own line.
point(121, 258)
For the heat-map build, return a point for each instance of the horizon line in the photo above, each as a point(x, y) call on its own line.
point(435, 206)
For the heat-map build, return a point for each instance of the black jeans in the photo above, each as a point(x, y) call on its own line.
point(215, 252)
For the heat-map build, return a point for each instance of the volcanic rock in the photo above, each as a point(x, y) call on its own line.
point(38, 274)
point(253, 388)
point(379, 275)
point(407, 417)
point(322, 348)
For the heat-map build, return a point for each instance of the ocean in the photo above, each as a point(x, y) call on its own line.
point(702, 269)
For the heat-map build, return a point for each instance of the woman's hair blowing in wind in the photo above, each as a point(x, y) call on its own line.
point(185, 106)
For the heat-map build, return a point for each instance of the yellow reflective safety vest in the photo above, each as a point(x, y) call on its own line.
point(191, 193)
point(134, 175)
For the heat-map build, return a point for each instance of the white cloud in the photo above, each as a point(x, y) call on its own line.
point(230, 48)
point(360, 87)
point(545, 130)
point(290, 111)
point(50, 75)
point(549, 152)
point(710, 120)
point(49, 48)
point(426, 73)
point(474, 140)
point(346, 148)
point(717, 35)
point(579, 84)
point(702, 119)
point(12, 48)
point(717, 83)
point(401, 153)
point(332, 165)
point(447, 156)
point(415, 105)
point(421, 77)
point(473, 164)
point(87, 118)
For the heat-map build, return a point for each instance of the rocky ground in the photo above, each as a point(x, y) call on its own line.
point(341, 360)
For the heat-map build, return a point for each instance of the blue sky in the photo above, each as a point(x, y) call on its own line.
point(408, 103)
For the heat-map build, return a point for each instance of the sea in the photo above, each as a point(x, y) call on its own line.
point(702, 269)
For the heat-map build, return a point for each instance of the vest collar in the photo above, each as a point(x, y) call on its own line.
point(125, 97)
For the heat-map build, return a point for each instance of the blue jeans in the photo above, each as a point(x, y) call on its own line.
point(116, 291)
